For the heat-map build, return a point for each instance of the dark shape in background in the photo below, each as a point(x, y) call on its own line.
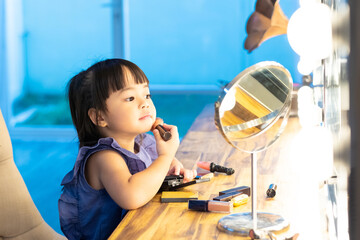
point(267, 21)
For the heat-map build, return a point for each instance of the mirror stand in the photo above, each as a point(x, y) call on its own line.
point(242, 223)
point(251, 113)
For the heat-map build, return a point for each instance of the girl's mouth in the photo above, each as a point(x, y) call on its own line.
point(145, 117)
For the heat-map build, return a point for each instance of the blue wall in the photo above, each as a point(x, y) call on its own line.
point(199, 42)
point(187, 42)
point(175, 42)
point(61, 38)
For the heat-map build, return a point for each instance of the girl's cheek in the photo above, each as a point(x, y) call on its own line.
point(154, 112)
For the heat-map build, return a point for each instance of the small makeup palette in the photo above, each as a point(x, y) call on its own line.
point(172, 183)
point(177, 196)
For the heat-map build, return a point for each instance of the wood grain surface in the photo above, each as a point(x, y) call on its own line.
point(294, 199)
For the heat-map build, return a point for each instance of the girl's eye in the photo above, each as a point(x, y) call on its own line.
point(129, 99)
point(148, 96)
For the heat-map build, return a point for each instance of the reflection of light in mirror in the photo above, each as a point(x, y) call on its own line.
point(229, 102)
point(309, 113)
point(310, 32)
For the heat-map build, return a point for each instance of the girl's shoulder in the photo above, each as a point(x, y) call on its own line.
point(105, 154)
point(105, 146)
point(84, 154)
point(102, 144)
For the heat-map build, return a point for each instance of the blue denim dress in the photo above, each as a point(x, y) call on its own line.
point(86, 213)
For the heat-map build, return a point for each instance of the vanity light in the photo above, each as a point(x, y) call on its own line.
point(306, 65)
point(309, 113)
point(310, 34)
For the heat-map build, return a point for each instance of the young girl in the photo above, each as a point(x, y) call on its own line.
point(119, 166)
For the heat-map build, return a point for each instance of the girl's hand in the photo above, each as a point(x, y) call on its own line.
point(176, 168)
point(167, 148)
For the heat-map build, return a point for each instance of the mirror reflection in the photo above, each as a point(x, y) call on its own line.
point(257, 99)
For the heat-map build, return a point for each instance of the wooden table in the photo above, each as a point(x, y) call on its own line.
point(295, 201)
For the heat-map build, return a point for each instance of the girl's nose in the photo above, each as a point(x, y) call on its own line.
point(145, 104)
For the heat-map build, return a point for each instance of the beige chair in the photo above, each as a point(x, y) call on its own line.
point(19, 217)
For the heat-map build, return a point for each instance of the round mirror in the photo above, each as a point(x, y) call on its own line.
point(251, 113)
point(254, 107)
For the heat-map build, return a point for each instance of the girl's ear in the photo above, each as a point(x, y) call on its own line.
point(97, 119)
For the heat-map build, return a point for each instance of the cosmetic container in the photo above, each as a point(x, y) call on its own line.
point(211, 206)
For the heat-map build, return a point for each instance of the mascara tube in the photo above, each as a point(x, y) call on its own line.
point(218, 168)
point(212, 167)
point(271, 192)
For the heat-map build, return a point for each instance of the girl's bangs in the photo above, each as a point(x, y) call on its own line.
point(122, 75)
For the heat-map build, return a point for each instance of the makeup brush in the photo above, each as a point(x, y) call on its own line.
point(165, 135)
point(212, 167)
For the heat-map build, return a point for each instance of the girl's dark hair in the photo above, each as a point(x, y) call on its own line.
point(91, 88)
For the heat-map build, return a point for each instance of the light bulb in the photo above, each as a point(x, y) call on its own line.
point(309, 114)
point(309, 31)
point(306, 66)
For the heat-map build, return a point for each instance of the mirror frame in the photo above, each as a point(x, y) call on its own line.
point(283, 112)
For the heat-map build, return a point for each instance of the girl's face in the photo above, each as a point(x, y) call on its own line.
point(130, 111)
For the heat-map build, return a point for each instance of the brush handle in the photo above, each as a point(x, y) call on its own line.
point(165, 135)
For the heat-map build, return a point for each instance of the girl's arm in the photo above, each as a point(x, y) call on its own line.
point(107, 169)
point(176, 167)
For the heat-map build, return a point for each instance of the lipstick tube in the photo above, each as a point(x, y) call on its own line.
point(211, 206)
